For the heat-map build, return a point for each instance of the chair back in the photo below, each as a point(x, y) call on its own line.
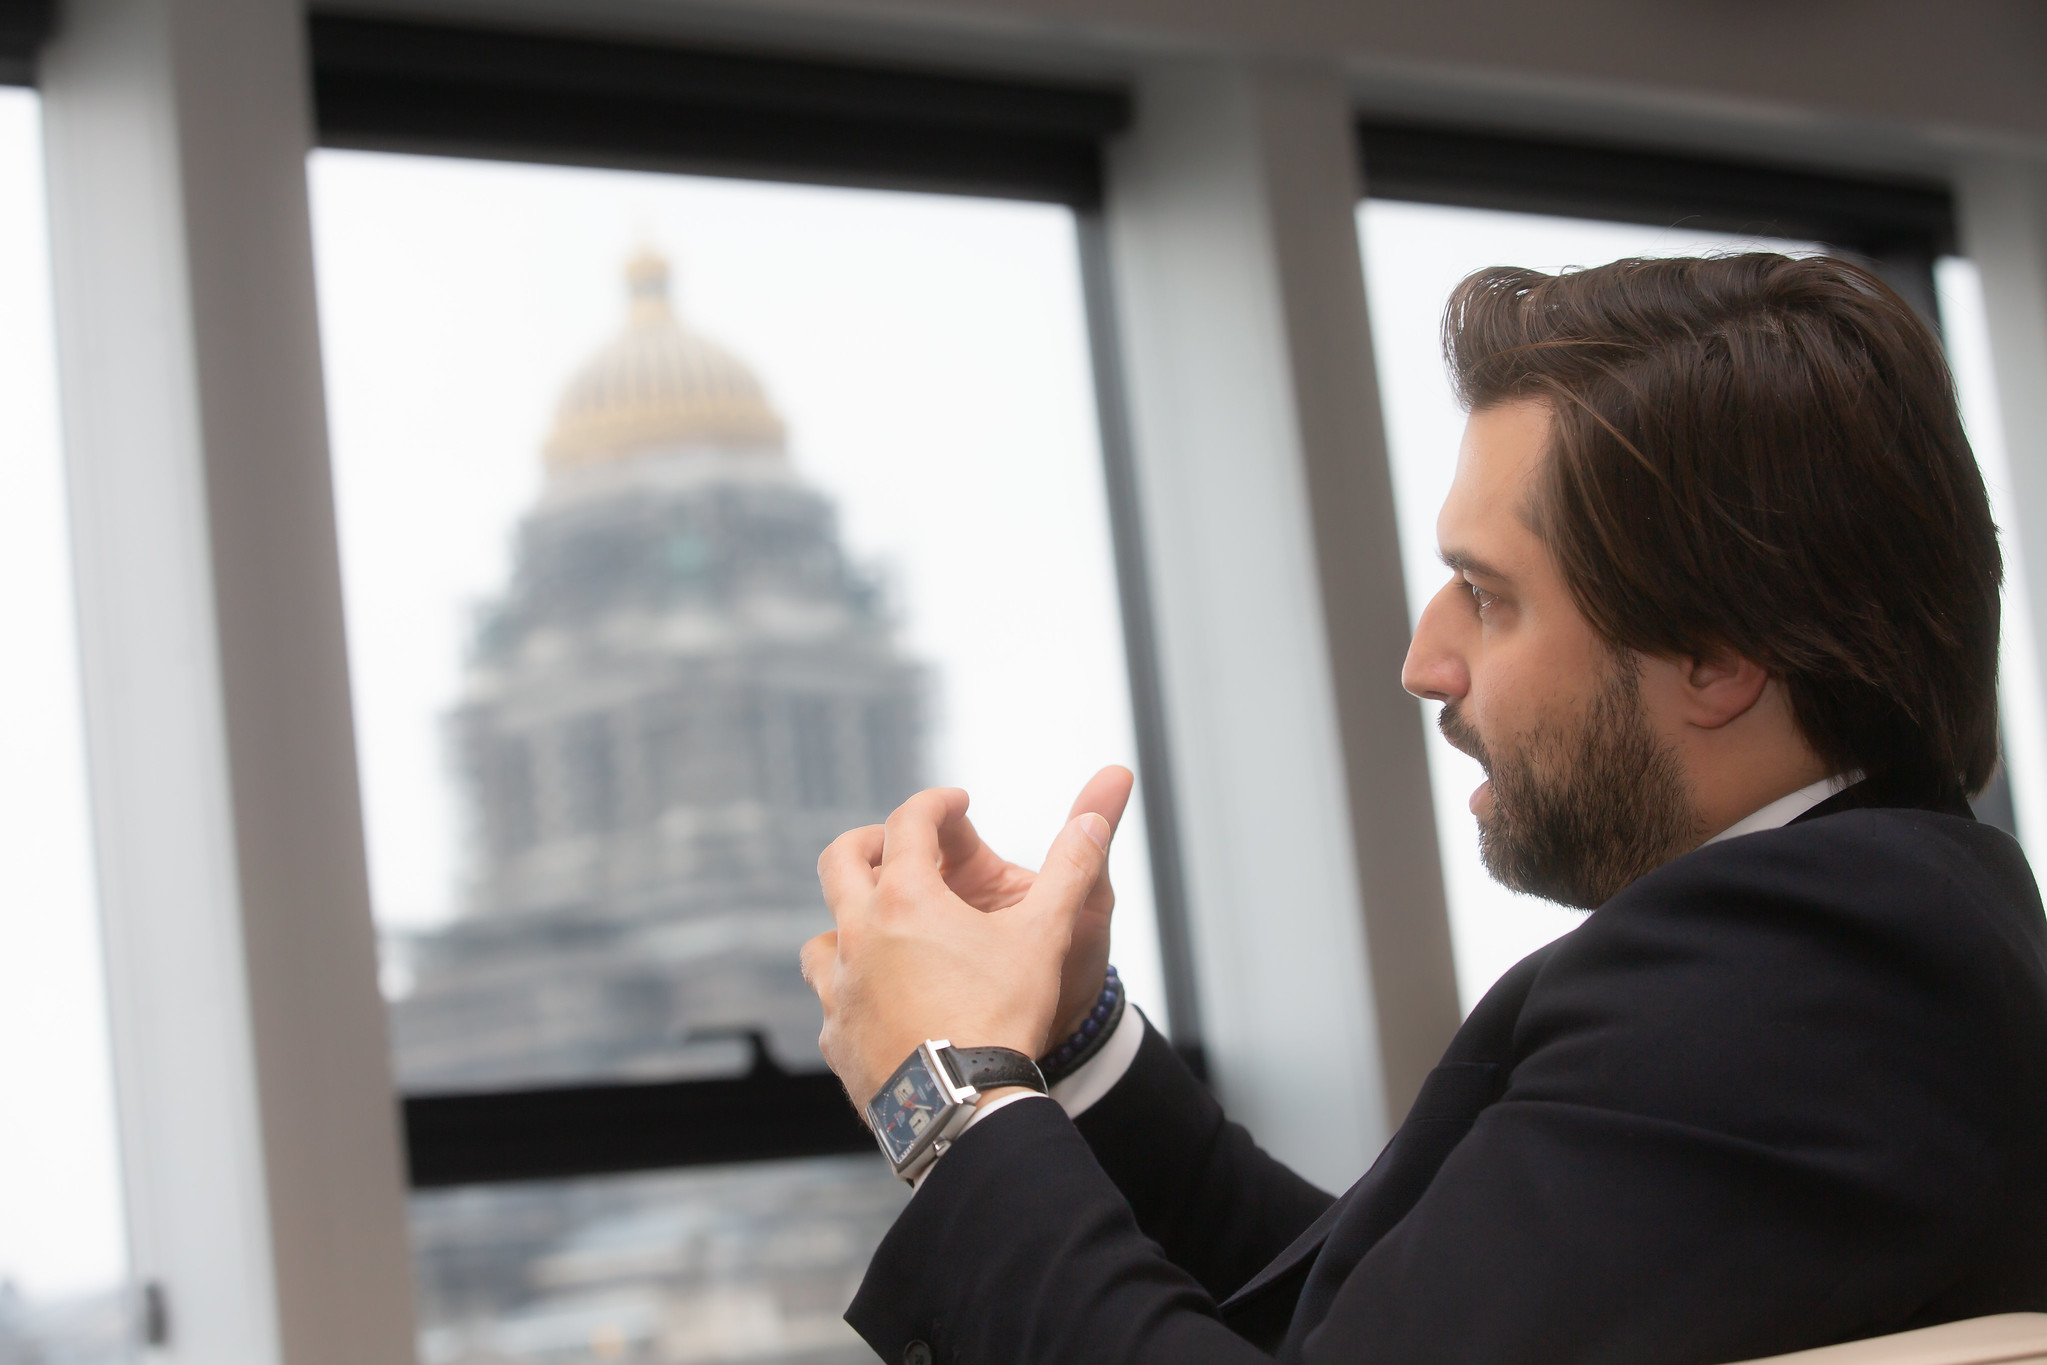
point(2005, 1339)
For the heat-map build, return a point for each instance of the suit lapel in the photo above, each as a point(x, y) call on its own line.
point(1469, 1078)
point(1261, 1310)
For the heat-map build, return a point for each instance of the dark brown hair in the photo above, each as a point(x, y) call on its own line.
point(1762, 454)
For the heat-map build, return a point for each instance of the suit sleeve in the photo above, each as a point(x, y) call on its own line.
point(1759, 1102)
point(1019, 1248)
point(1111, 1241)
point(1217, 1205)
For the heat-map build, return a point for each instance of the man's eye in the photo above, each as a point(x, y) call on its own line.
point(1480, 598)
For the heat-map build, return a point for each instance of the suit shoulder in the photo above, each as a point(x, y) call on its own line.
point(1888, 874)
point(1767, 972)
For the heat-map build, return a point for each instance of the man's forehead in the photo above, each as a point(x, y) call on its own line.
point(1483, 526)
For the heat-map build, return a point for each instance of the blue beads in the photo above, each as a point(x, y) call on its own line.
point(1088, 1037)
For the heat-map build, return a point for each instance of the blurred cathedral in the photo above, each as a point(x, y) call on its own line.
point(681, 696)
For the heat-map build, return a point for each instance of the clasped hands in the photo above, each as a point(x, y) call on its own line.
point(939, 937)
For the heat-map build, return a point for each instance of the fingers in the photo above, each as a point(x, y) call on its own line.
point(1075, 863)
point(1106, 794)
point(846, 868)
point(913, 833)
point(959, 843)
point(817, 959)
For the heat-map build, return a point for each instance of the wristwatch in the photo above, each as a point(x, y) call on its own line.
point(924, 1105)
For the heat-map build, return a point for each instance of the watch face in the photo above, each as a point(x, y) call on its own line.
point(907, 1107)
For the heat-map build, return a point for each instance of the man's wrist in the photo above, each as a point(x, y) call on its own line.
point(1085, 1039)
point(935, 1094)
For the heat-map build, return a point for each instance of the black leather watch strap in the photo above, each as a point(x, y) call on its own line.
point(986, 1068)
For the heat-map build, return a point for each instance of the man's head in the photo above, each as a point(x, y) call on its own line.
point(1715, 533)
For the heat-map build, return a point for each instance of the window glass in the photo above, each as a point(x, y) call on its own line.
point(686, 523)
point(61, 1252)
point(2020, 709)
point(1414, 255)
point(753, 1263)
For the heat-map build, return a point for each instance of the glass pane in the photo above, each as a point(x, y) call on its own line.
point(686, 523)
point(62, 1260)
point(751, 1263)
point(1414, 255)
point(2021, 712)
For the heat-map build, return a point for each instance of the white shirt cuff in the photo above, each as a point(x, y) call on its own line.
point(1091, 1080)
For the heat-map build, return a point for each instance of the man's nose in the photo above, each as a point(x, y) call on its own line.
point(1435, 670)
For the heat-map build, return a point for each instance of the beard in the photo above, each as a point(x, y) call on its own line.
point(1578, 812)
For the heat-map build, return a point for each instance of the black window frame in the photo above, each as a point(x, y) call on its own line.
point(517, 95)
point(564, 99)
point(1898, 225)
point(1477, 168)
point(25, 25)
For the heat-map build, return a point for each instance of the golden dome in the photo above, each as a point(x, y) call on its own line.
point(657, 386)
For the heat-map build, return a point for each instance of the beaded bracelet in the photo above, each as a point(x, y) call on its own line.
point(1087, 1040)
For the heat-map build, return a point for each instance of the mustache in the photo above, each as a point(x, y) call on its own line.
point(1461, 735)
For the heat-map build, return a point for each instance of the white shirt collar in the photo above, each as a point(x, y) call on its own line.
point(1785, 809)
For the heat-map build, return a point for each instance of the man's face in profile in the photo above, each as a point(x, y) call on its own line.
point(1582, 793)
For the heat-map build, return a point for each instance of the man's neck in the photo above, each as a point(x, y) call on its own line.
point(1751, 767)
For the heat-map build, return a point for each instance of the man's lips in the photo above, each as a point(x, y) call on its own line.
point(1461, 737)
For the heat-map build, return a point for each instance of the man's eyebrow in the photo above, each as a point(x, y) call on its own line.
point(1458, 561)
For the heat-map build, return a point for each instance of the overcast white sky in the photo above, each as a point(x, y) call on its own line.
point(60, 1226)
point(929, 356)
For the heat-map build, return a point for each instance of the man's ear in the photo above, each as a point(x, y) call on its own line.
point(1721, 688)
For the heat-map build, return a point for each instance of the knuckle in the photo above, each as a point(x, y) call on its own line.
point(1075, 857)
point(895, 904)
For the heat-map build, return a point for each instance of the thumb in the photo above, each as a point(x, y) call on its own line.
point(1074, 864)
point(816, 960)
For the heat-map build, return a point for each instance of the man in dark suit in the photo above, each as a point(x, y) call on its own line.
point(1722, 629)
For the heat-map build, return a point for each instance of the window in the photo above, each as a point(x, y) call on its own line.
point(687, 521)
point(752, 1262)
point(1446, 204)
point(2022, 709)
point(62, 1261)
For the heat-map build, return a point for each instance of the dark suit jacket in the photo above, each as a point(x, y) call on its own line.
point(1789, 1089)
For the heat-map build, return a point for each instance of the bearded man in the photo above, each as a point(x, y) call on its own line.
point(1722, 628)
